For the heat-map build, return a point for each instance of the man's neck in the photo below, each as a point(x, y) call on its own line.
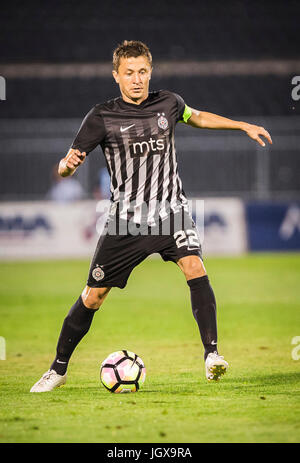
point(132, 101)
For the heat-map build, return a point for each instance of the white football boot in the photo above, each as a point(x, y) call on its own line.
point(50, 380)
point(215, 366)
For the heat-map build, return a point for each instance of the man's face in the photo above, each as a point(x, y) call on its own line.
point(133, 77)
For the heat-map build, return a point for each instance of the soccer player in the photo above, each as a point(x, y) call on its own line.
point(149, 210)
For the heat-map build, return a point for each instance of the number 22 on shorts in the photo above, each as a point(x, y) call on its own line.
point(186, 238)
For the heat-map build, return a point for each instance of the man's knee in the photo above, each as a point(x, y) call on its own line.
point(93, 297)
point(192, 267)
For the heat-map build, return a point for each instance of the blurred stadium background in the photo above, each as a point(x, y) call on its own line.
point(235, 58)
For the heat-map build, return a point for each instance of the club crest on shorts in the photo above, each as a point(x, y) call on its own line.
point(98, 273)
point(162, 121)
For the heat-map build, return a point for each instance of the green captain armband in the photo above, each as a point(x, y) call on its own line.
point(186, 114)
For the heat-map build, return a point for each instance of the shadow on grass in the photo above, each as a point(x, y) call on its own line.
point(196, 387)
point(97, 390)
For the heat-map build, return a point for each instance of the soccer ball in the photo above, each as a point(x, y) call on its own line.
point(123, 371)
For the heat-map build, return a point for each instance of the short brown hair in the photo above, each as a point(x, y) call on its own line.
point(128, 49)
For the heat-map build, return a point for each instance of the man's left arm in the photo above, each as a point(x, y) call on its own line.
point(205, 120)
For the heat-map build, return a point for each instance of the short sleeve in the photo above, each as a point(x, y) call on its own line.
point(184, 112)
point(91, 132)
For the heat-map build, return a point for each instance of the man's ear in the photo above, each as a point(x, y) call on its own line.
point(116, 76)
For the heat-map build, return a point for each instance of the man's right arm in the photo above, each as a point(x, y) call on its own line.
point(90, 134)
point(71, 162)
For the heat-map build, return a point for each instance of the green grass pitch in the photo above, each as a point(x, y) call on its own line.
point(258, 299)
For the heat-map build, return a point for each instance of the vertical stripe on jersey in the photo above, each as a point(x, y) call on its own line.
point(177, 196)
point(155, 176)
point(110, 161)
point(152, 202)
point(135, 166)
point(168, 179)
point(126, 174)
point(117, 160)
point(144, 175)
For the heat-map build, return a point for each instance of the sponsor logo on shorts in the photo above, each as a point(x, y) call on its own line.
point(98, 273)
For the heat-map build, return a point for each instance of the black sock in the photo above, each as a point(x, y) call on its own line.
point(75, 326)
point(205, 312)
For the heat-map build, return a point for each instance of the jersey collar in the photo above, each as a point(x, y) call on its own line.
point(132, 105)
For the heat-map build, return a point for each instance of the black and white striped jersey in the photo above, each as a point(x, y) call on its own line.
point(138, 145)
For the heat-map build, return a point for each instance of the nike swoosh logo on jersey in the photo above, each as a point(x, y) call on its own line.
point(123, 129)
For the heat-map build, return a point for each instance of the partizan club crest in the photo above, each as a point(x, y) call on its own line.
point(98, 273)
point(162, 121)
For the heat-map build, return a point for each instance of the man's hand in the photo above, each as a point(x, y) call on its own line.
point(69, 164)
point(254, 131)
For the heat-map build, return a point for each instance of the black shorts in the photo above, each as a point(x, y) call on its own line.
point(117, 255)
